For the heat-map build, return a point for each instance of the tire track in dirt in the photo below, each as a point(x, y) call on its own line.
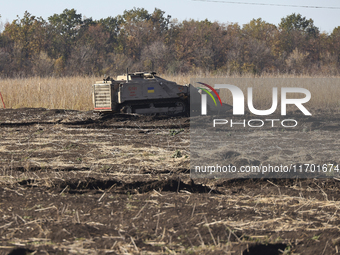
point(120, 186)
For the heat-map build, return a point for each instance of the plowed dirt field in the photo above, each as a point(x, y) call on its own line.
point(75, 182)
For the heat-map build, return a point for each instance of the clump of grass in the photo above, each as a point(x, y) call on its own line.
point(174, 132)
point(177, 154)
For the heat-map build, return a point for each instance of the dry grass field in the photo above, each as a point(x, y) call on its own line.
point(75, 182)
point(74, 93)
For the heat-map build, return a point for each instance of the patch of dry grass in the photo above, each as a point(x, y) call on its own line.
point(54, 93)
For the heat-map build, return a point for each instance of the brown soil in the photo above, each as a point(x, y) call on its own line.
point(78, 182)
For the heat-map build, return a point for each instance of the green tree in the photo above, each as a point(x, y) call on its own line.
point(298, 34)
point(63, 31)
point(111, 25)
point(258, 37)
point(335, 44)
point(295, 22)
point(235, 49)
point(27, 37)
point(88, 55)
point(138, 28)
point(260, 30)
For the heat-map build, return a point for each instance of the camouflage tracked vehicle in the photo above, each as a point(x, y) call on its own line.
point(143, 93)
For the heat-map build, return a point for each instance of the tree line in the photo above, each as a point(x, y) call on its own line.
point(69, 44)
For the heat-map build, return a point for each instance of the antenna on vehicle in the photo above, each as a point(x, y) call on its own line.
point(127, 74)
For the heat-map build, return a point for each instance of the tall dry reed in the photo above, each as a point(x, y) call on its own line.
point(54, 93)
point(76, 92)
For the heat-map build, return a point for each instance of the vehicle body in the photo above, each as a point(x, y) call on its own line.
point(143, 93)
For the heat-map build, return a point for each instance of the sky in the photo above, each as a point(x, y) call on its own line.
point(216, 10)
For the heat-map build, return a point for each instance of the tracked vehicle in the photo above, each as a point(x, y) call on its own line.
point(143, 93)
